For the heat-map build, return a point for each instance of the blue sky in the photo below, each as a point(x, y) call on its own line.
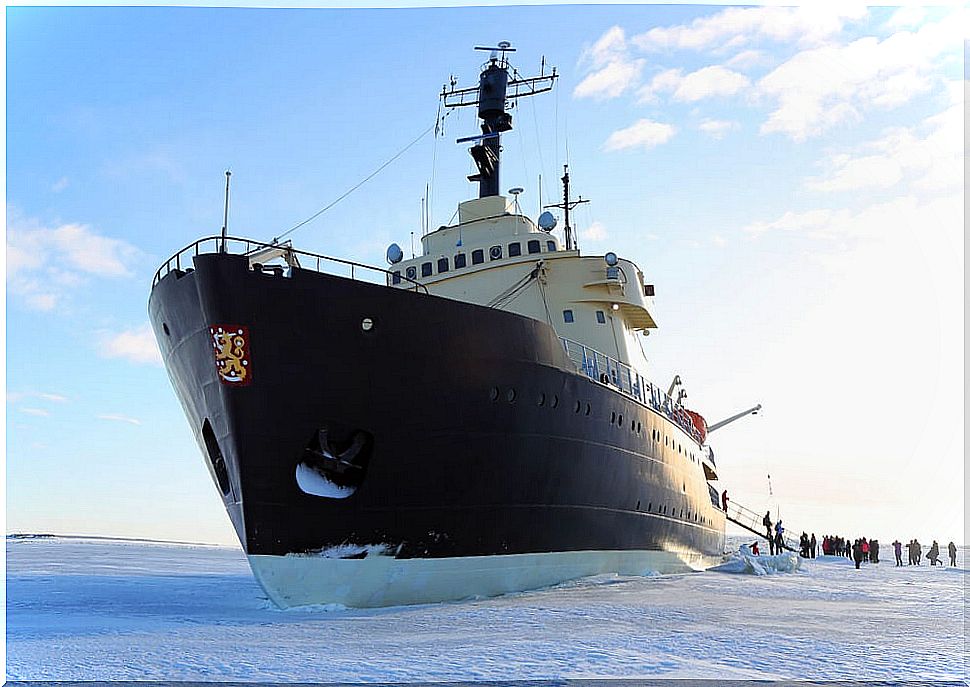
point(791, 181)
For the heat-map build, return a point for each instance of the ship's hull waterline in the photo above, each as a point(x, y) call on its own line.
point(478, 461)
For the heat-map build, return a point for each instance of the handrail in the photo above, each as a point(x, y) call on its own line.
point(222, 244)
point(611, 372)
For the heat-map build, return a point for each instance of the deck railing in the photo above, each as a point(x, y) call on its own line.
point(625, 379)
point(249, 247)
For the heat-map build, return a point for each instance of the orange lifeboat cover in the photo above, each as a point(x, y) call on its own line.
point(700, 424)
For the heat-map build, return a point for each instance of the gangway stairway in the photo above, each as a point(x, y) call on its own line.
point(752, 522)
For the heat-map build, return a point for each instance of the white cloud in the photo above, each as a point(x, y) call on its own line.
point(608, 48)
point(120, 418)
point(14, 396)
point(710, 81)
point(735, 26)
point(613, 71)
point(45, 263)
point(39, 412)
point(594, 232)
point(821, 88)
point(930, 161)
point(610, 81)
point(60, 185)
point(907, 16)
point(747, 58)
point(135, 345)
point(716, 128)
point(703, 83)
point(644, 133)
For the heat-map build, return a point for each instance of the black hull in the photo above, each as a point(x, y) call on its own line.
point(455, 466)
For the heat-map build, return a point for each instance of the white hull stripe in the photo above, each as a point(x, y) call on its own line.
point(299, 580)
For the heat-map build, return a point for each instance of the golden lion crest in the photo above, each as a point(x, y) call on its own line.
point(230, 343)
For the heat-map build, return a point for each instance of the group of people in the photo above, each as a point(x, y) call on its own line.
point(860, 550)
point(915, 551)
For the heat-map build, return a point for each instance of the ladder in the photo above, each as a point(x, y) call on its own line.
point(747, 519)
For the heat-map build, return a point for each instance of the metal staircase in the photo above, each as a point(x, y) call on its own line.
point(752, 522)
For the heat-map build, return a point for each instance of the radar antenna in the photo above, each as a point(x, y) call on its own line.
point(496, 87)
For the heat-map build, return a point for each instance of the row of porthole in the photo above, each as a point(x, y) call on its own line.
point(541, 399)
point(662, 510)
point(655, 435)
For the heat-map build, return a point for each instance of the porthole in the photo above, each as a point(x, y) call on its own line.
point(619, 422)
point(578, 406)
point(495, 252)
point(612, 417)
point(541, 399)
point(493, 394)
point(555, 401)
point(650, 507)
point(412, 273)
point(510, 395)
point(588, 409)
point(638, 505)
point(367, 324)
point(165, 329)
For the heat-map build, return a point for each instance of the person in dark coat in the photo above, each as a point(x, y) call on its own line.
point(874, 550)
point(952, 550)
point(898, 550)
point(724, 500)
point(918, 548)
point(933, 555)
point(857, 553)
point(912, 552)
point(779, 542)
point(766, 521)
point(813, 544)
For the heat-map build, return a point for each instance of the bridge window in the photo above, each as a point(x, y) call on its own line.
point(426, 269)
point(442, 265)
point(567, 316)
point(396, 277)
point(515, 249)
point(534, 247)
point(478, 257)
point(459, 261)
point(495, 252)
point(601, 317)
point(551, 246)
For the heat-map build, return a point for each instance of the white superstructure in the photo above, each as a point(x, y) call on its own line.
point(497, 257)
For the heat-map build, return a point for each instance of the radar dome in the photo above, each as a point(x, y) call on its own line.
point(547, 221)
point(611, 259)
point(394, 254)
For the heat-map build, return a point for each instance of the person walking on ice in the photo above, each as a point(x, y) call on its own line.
point(952, 550)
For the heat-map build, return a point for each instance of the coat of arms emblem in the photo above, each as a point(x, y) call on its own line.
point(230, 343)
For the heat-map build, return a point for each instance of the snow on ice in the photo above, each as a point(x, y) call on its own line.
point(85, 609)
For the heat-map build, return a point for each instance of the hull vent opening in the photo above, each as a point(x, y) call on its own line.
point(216, 459)
point(334, 462)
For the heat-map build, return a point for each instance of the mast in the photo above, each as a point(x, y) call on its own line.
point(566, 206)
point(496, 86)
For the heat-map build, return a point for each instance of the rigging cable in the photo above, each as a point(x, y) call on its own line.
point(358, 185)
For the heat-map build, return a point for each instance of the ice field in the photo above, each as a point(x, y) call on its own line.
point(88, 609)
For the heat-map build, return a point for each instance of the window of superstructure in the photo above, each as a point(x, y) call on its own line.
point(535, 246)
point(515, 249)
point(442, 265)
point(567, 316)
point(551, 246)
point(396, 277)
point(426, 269)
point(601, 317)
point(460, 260)
point(478, 256)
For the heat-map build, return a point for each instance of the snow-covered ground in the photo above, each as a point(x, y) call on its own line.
point(85, 609)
